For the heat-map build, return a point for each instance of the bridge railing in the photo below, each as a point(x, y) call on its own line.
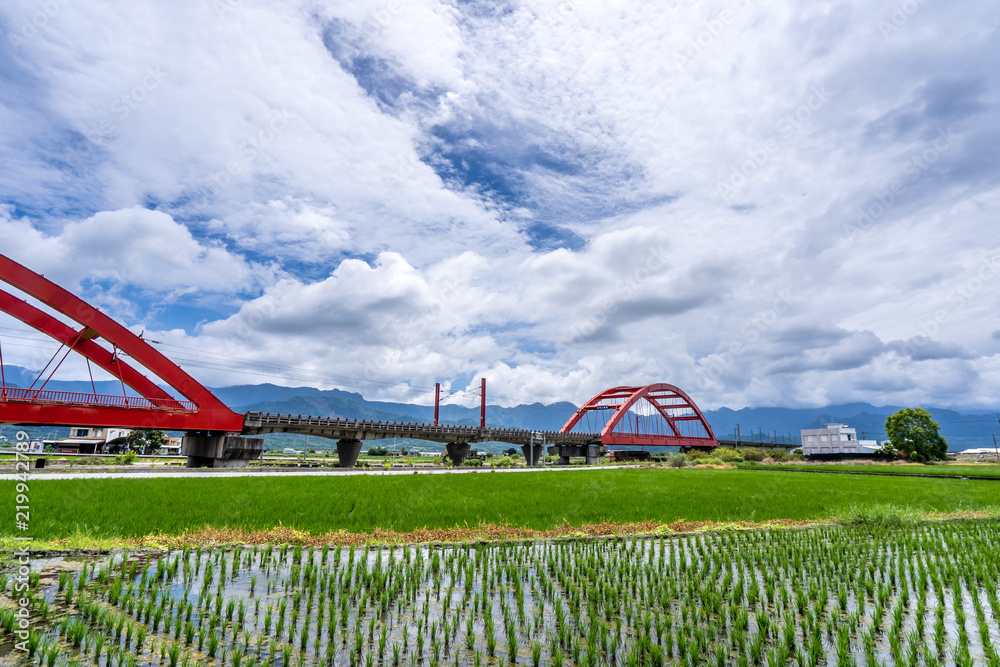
point(101, 400)
point(403, 427)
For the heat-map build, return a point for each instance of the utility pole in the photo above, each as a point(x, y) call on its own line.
point(995, 439)
point(482, 404)
point(737, 433)
point(437, 402)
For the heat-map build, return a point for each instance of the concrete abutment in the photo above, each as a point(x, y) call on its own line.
point(592, 453)
point(220, 450)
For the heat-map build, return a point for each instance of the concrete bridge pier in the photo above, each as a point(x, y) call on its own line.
point(458, 452)
point(563, 452)
point(532, 454)
point(207, 449)
point(592, 453)
point(347, 453)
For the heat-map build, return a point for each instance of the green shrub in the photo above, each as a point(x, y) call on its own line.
point(754, 454)
point(697, 454)
point(472, 462)
point(727, 455)
point(782, 457)
point(128, 458)
point(677, 460)
point(502, 462)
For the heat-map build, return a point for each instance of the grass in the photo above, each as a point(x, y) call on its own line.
point(129, 508)
point(942, 470)
point(879, 515)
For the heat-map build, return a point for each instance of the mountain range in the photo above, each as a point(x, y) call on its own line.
point(962, 428)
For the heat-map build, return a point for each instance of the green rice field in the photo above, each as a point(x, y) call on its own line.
point(879, 593)
point(949, 470)
point(122, 508)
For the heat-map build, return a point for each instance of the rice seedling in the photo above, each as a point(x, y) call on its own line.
point(899, 592)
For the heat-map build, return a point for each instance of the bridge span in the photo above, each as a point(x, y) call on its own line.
point(651, 415)
point(457, 439)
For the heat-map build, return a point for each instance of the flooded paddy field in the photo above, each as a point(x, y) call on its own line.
point(916, 594)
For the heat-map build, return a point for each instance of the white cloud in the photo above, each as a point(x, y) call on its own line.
point(753, 197)
point(134, 246)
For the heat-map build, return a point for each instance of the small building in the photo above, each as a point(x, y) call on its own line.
point(171, 446)
point(835, 440)
point(980, 453)
point(91, 440)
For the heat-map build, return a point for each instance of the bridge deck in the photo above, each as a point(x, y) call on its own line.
point(256, 423)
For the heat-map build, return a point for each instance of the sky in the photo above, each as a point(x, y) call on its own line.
point(764, 203)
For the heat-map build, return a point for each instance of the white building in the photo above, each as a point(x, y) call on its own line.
point(835, 440)
point(980, 453)
point(90, 440)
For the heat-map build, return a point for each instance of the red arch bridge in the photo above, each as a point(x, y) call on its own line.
point(653, 415)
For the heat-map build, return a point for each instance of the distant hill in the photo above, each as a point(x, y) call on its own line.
point(962, 428)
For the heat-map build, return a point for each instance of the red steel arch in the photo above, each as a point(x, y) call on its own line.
point(155, 408)
point(675, 406)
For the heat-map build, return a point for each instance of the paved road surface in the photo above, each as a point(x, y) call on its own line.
point(40, 475)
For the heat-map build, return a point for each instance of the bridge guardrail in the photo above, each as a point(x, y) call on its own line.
point(103, 400)
point(260, 419)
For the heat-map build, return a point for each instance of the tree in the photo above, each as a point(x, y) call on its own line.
point(914, 432)
point(145, 441)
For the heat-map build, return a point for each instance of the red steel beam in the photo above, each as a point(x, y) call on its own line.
point(211, 414)
point(653, 394)
point(81, 342)
point(60, 414)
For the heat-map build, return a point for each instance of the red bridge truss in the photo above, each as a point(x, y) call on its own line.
point(152, 408)
point(656, 415)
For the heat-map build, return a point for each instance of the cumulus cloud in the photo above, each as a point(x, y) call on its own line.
point(134, 246)
point(765, 202)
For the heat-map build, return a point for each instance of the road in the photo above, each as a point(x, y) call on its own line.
point(39, 476)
